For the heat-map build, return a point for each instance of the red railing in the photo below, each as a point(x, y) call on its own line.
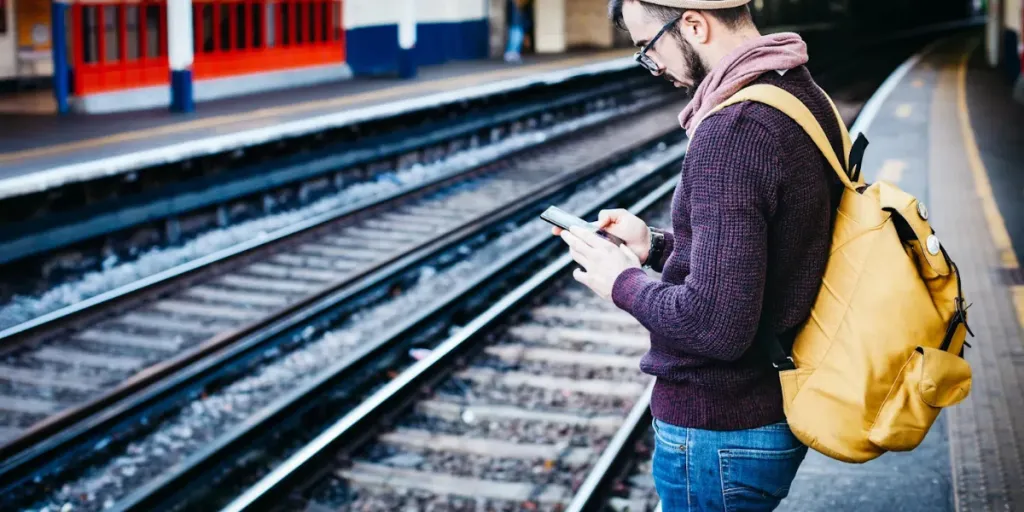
point(118, 45)
point(231, 37)
point(234, 37)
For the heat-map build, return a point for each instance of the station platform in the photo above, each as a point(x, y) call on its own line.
point(946, 129)
point(40, 150)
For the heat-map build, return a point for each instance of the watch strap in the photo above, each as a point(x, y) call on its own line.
point(657, 248)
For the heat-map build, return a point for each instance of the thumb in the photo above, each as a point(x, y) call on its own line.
point(581, 276)
point(605, 218)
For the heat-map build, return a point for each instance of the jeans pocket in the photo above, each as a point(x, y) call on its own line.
point(758, 479)
point(669, 435)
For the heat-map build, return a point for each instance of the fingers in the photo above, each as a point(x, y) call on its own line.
point(590, 238)
point(579, 250)
point(573, 240)
point(612, 214)
point(580, 258)
point(582, 277)
point(606, 218)
point(629, 254)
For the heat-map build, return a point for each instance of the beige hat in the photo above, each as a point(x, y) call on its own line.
point(700, 4)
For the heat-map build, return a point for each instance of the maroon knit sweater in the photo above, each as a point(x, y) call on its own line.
point(751, 225)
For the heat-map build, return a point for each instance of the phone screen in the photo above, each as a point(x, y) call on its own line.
point(565, 220)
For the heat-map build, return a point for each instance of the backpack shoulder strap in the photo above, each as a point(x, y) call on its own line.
point(791, 106)
point(845, 134)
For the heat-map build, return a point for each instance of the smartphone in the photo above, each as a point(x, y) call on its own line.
point(565, 220)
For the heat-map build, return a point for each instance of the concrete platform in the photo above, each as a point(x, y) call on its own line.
point(958, 144)
point(39, 151)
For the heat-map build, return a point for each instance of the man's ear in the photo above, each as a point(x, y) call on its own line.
point(695, 26)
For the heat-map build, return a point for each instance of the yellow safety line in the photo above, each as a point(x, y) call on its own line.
point(996, 225)
point(1018, 300)
point(380, 94)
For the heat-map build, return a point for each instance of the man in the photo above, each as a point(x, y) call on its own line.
point(742, 262)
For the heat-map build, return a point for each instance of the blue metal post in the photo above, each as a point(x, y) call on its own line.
point(407, 40)
point(180, 54)
point(61, 69)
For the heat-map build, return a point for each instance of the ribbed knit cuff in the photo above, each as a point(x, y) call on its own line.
point(627, 287)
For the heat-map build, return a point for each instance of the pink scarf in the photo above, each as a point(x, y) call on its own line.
point(782, 51)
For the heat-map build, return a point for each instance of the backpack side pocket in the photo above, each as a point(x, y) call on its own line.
point(930, 380)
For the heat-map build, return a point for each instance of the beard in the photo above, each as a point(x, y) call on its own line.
point(695, 67)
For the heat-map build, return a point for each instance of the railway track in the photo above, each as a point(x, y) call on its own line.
point(632, 489)
point(521, 423)
point(513, 192)
point(156, 227)
point(110, 347)
point(63, 239)
point(529, 407)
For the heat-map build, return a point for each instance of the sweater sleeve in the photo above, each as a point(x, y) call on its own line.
point(716, 310)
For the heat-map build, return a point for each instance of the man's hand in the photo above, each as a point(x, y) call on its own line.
point(603, 260)
point(626, 226)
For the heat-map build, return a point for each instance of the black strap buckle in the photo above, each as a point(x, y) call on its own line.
point(959, 318)
point(784, 364)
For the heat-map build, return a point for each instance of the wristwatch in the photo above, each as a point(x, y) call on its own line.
point(657, 248)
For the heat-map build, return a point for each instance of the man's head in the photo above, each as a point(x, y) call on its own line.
point(691, 41)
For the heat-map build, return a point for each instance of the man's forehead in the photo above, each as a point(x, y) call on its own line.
point(642, 25)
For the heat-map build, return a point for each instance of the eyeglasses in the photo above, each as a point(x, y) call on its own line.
point(641, 56)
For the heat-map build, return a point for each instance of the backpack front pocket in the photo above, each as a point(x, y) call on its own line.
point(930, 380)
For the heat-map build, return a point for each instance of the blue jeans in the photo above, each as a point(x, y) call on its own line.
point(704, 470)
point(515, 39)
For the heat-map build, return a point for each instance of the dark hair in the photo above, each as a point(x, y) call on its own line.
point(733, 17)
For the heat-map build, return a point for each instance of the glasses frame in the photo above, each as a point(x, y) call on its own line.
point(641, 56)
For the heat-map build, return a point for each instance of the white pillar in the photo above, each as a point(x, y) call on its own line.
point(549, 22)
point(994, 32)
point(180, 54)
point(407, 39)
point(498, 27)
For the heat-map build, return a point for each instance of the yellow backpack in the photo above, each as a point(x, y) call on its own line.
point(882, 351)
